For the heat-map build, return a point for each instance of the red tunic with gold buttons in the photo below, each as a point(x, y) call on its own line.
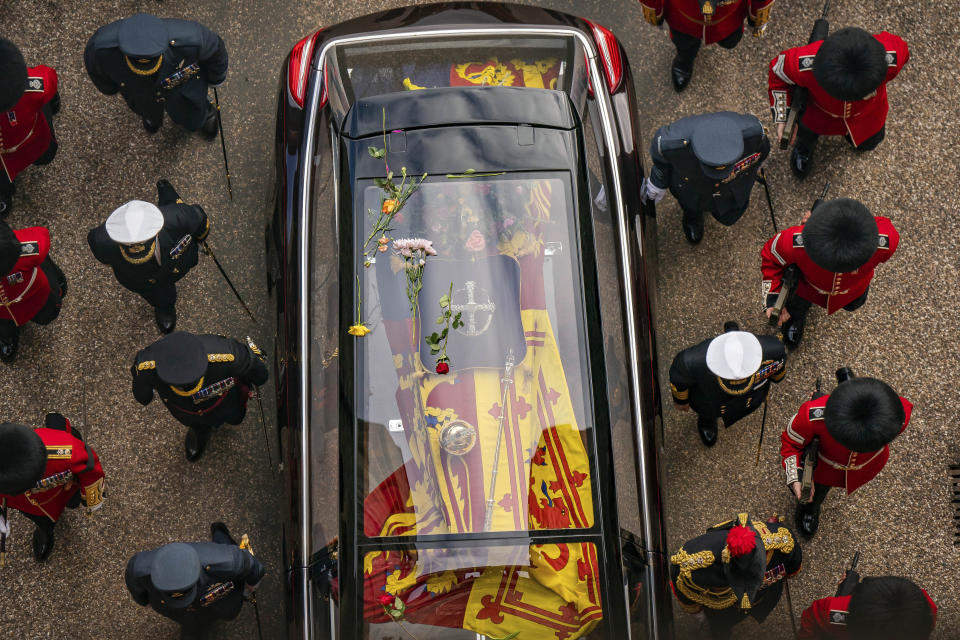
point(24, 290)
point(687, 16)
point(24, 130)
point(71, 466)
point(830, 290)
point(825, 114)
point(837, 466)
point(826, 619)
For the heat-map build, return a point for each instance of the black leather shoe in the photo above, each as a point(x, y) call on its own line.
point(151, 126)
point(209, 128)
point(42, 544)
point(196, 443)
point(8, 346)
point(219, 533)
point(792, 334)
point(730, 325)
point(801, 161)
point(6, 204)
point(166, 319)
point(693, 230)
point(808, 519)
point(680, 74)
point(707, 428)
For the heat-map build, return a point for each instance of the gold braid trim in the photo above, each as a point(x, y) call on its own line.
point(220, 357)
point(189, 393)
point(780, 540)
point(132, 260)
point(142, 72)
point(679, 395)
point(742, 517)
point(707, 597)
point(763, 15)
point(738, 392)
point(93, 495)
point(147, 364)
point(690, 561)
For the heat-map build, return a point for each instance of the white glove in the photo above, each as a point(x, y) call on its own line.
point(4, 527)
point(650, 191)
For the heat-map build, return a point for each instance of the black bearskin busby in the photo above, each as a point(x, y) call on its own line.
point(23, 458)
point(850, 64)
point(864, 414)
point(889, 608)
point(841, 235)
point(13, 71)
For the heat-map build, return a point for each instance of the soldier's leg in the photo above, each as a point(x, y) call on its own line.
point(166, 194)
point(193, 115)
point(798, 308)
point(9, 340)
point(220, 534)
point(728, 211)
point(859, 302)
point(732, 40)
point(196, 442)
point(707, 428)
point(7, 189)
point(723, 621)
point(42, 536)
point(163, 299)
point(872, 142)
point(808, 515)
point(801, 157)
point(692, 224)
point(682, 67)
point(51, 152)
point(58, 289)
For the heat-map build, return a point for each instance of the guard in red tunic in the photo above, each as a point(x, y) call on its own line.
point(882, 608)
point(835, 249)
point(32, 286)
point(693, 22)
point(853, 425)
point(42, 472)
point(28, 100)
point(847, 76)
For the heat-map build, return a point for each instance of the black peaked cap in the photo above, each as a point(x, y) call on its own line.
point(850, 64)
point(181, 358)
point(841, 235)
point(13, 75)
point(23, 458)
point(864, 414)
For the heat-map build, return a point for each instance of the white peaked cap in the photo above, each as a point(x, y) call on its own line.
point(134, 222)
point(734, 355)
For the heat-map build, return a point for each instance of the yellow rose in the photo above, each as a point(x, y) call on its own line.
point(358, 330)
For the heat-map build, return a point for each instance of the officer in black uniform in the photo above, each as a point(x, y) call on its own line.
point(150, 248)
point(195, 583)
point(204, 380)
point(736, 569)
point(160, 65)
point(709, 162)
point(726, 377)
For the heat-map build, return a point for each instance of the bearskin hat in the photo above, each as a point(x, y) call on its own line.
point(23, 458)
point(13, 71)
point(850, 64)
point(889, 608)
point(864, 414)
point(841, 235)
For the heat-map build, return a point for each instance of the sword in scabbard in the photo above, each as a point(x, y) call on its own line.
point(256, 390)
point(245, 545)
point(206, 247)
point(506, 381)
point(763, 426)
point(223, 145)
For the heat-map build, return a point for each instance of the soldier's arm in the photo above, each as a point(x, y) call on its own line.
point(139, 594)
point(99, 241)
point(898, 53)
point(201, 223)
point(686, 603)
point(792, 441)
point(50, 81)
point(104, 83)
point(774, 259)
point(780, 83)
point(680, 380)
point(662, 171)
point(810, 627)
point(89, 474)
point(250, 570)
point(213, 56)
point(142, 385)
point(251, 368)
point(759, 13)
point(652, 11)
point(794, 561)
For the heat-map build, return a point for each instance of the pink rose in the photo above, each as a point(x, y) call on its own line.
point(476, 242)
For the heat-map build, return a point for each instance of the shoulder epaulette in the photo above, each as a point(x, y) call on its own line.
point(220, 357)
point(691, 561)
point(35, 84)
point(838, 617)
point(815, 413)
point(665, 145)
point(146, 365)
point(59, 451)
point(780, 540)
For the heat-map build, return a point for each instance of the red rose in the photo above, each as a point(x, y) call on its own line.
point(443, 367)
point(385, 599)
